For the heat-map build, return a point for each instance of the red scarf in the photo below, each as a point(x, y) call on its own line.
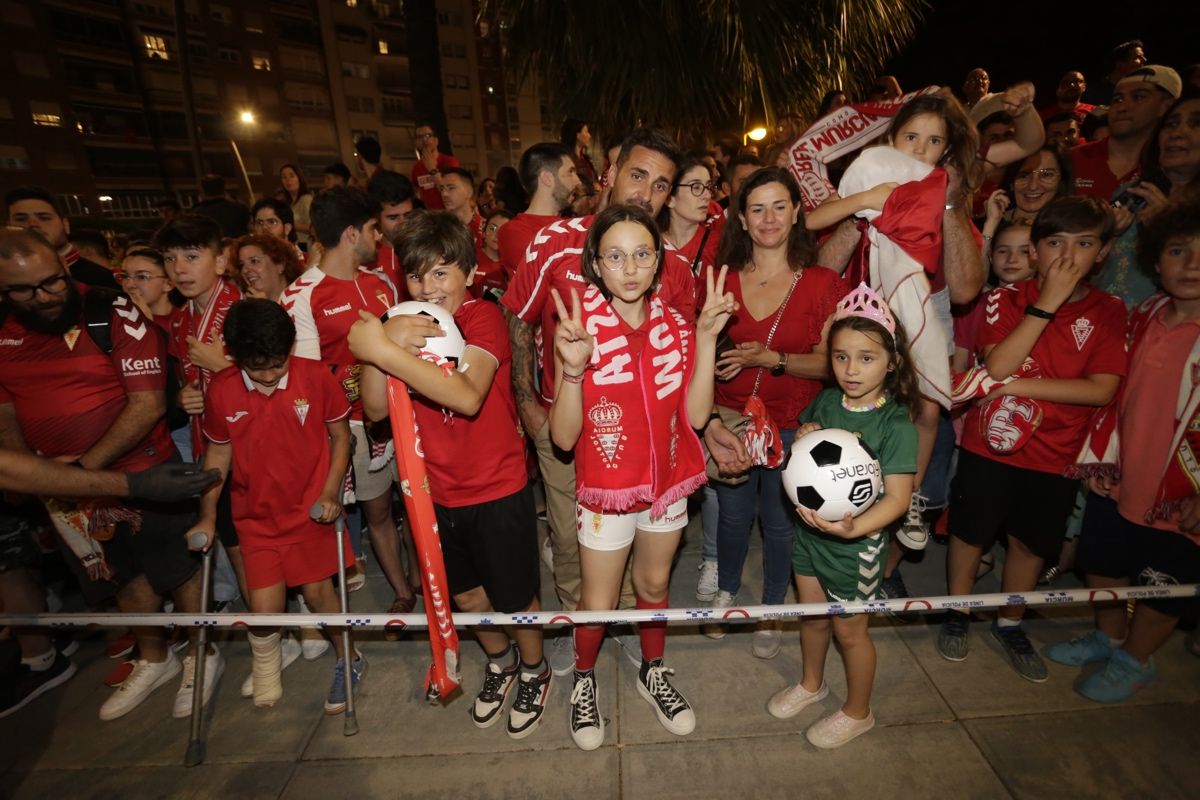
point(207, 327)
point(1101, 449)
point(636, 445)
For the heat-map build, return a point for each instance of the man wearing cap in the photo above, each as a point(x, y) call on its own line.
point(1139, 102)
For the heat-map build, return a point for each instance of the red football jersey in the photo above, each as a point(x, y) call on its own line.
point(552, 261)
point(1093, 178)
point(515, 237)
point(473, 460)
point(426, 184)
point(1087, 337)
point(66, 392)
point(280, 448)
point(324, 308)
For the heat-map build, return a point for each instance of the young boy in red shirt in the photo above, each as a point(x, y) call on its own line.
point(294, 410)
point(1142, 523)
point(475, 454)
point(1058, 347)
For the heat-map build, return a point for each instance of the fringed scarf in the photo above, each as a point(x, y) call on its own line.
point(1181, 472)
point(207, 327)
point(636, 445)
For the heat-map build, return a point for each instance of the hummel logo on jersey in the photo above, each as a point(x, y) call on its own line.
point(329, 312)
point(12, 342)
point(1082, 329)
point(237, 416)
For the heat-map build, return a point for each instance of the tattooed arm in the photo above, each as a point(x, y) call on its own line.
point(533, 415)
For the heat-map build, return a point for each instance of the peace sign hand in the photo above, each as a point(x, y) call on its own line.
point(572, 342)
point(718, 305)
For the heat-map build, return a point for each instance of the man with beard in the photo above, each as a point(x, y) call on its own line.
point(397, 199)
point(642, 175)
point(34, 209)
point(324, 303)
point(1140, 100)
point(63, 396)
point(1068, 95)
point(548, 175)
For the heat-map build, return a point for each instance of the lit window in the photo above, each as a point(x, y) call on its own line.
point(262, 63)
point(156, 47)
point(351, 3)
point(47, 120)
point(383, 47)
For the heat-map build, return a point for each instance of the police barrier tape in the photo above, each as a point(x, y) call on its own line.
point(733, 614)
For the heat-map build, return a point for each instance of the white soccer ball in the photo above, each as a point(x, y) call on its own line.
point(832, 471)
point(438, 349)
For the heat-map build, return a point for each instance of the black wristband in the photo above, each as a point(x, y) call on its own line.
point(709, 421)
point(1034, 311)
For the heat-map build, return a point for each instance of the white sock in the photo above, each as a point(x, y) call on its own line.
point(40, 663)
point(1005, 622)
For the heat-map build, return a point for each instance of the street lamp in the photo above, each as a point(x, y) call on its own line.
point(247, 118)
point(757, 134)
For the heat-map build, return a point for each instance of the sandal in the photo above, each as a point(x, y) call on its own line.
point(400, 605)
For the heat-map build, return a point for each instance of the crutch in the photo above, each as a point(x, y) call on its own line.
point(350, 726)
point(196, 745)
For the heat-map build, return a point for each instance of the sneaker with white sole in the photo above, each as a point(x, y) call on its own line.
point(144, 679)
point(914, 532)
point(837, 729)
point(312, 644)
point(335, 703)
point(768, 638)
point(722, 601)
point(214, 665)
point(787, 703)
point(587, 726)
point(533, 688)
point(29, 684)
point(560, 653)
point(706, 585)
point(291, 651)
point(671, 707)
point(497, 681)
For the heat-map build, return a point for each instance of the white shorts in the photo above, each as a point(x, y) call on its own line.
point(367, 484)
point(599, 531)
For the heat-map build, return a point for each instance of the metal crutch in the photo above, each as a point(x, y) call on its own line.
point(350, 726)
point(196, 744)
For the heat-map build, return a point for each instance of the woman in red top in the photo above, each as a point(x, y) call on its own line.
point(777, 350)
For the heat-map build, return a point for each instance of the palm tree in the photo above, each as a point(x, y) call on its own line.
point(701, 65)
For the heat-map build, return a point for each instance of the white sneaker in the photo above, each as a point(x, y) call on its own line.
point(312, 644)
point(560, 653)
point(768, 637)
point(291, 651)
point(706, 586)
point(547, 551)
point(145, 678)
point(214, 665)
point(837, 729)
point(913, 532)
point(787, 703)
point(722, 600)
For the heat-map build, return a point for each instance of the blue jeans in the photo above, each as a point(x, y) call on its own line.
point(762, 493)
point(710, 521)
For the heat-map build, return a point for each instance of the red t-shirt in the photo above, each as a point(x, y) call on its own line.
point(426, 184)
point(66, 392)
point(1087, 337)
point(552, 262)
point(1080, 111)
point(1093, 178)
point(477, 459)
point(280, 448)
point(324, 308)
point(799, 331)
point(387, 263)
point(515, 237)
point(488, 273)
point(708, 257)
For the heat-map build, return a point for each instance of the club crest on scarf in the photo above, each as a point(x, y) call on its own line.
point(607, 433)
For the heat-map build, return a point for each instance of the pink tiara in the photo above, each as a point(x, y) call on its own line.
point(864, 302)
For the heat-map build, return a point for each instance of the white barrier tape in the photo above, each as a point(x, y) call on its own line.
point(735, 614)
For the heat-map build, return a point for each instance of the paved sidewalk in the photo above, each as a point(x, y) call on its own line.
point(968, 730)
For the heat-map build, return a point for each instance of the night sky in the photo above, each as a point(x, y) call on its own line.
point(1041, 40)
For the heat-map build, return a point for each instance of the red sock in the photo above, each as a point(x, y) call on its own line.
point(588, 639)
point(652, 634)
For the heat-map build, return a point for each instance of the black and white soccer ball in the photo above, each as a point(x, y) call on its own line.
point(438, 349)
point(832, 471)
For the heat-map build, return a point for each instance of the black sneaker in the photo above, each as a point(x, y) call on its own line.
point(952, 638)
point(485, 711)
point(587, 726)
point(30, 685)
point(669, 705)
point(526, 713)
point(893, 588)
point(1020, 652)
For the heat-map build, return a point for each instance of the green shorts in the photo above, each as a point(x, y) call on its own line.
point(848, 569)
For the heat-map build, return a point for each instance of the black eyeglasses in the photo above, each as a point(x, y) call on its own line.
point(55, 284)
point(698, 188)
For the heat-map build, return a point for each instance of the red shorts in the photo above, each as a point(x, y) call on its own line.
point(308, 561)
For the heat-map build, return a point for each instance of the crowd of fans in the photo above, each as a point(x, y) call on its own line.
point(647, 330)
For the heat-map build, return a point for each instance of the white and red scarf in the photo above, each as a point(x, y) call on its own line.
point(207, 327)
point(636, 445)
point(1101, 453)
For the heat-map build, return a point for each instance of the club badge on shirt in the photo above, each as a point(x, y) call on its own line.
point(1082, 329)
point(300, 406)
point(71, 337)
